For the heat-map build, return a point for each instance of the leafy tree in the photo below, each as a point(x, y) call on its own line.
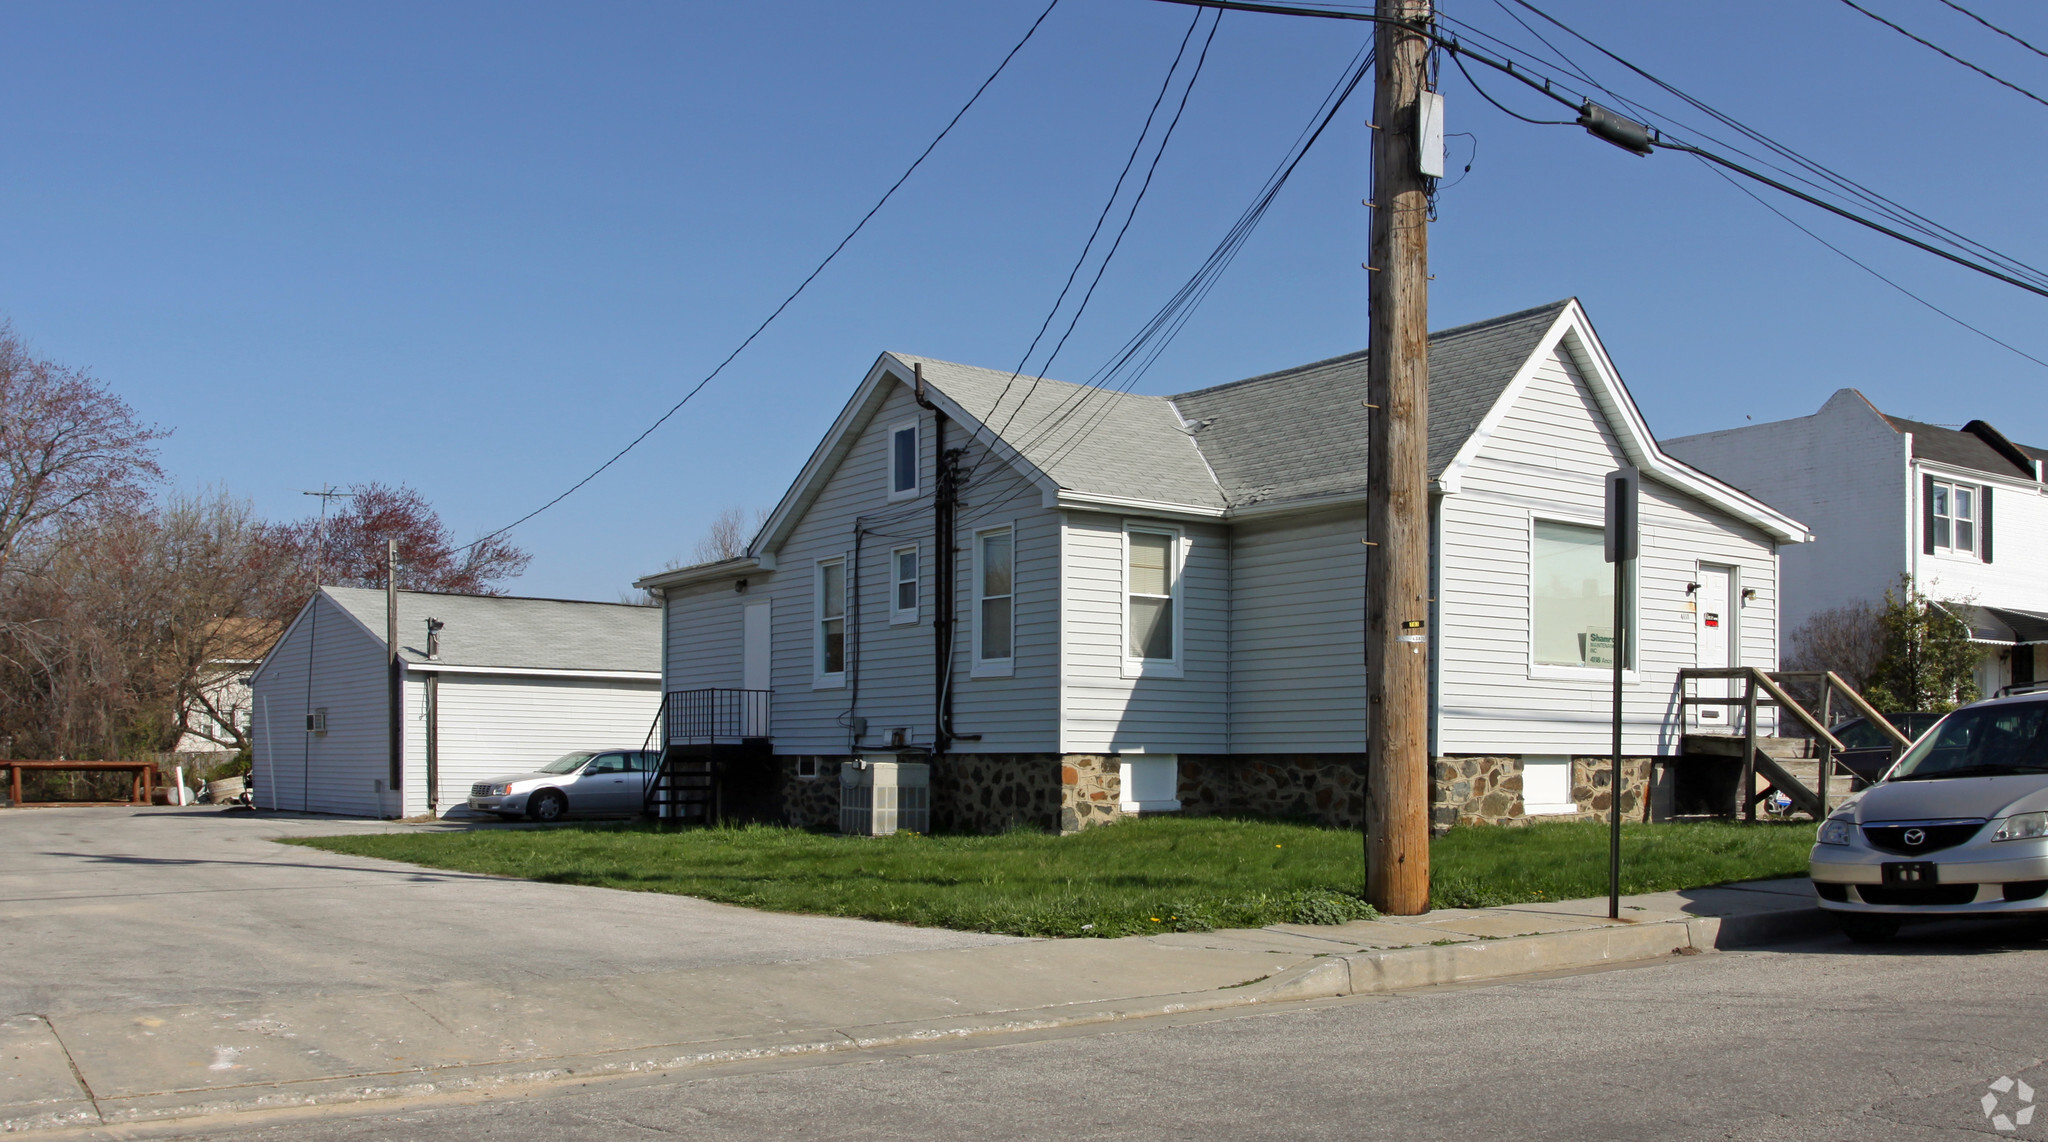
point(69, 448)
point(1929, 661)
point(348, 548)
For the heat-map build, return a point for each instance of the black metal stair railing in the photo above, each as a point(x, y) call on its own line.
point(716, 716)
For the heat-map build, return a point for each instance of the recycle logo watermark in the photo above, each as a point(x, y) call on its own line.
point(2008, 1093)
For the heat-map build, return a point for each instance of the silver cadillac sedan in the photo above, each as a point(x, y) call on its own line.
point(1959, 827)
point(587, 782)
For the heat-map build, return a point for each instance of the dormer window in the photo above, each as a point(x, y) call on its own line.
point(903, 461)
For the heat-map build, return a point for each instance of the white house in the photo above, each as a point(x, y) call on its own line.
point(1078, 603)
point(490, 685)
point(1963, 511)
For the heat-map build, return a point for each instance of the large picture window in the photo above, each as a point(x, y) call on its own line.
point(1572, 596)
point(1152, 584)
point(831, 611)
point(995, 588)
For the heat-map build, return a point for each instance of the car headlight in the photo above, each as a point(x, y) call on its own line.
point(502, 789)
point(2022, 826)
point(1837, 831)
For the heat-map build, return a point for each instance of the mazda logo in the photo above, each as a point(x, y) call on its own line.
point(1914, 838)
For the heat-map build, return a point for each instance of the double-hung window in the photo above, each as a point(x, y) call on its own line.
point(831, 622)
point(1151, 597)
point(995, 596)
point(1952, 517)
point(904, 585)
point(1571, 589)
point(903, 461)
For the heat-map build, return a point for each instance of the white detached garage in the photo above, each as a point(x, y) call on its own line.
point(498, 685)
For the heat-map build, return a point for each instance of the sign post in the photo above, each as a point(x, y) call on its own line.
point(1623, 544)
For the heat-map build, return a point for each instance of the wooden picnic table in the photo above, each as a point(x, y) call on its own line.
point(143, 778)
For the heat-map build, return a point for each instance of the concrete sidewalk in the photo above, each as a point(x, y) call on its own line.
point(91, 1068)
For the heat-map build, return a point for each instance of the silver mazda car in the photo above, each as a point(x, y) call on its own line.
point(601, 782)
point(1959, 827)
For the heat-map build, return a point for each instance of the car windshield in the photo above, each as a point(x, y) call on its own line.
point(567, 763)
point(1983, 741)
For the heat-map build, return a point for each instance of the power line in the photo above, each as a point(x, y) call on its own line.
point(1995, 28)
point(801, 286)
point(1932, 46)
point(1852, 260)
point(1137, 147)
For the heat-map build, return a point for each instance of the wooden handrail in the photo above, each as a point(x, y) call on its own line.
point(1868, 711)
point(1798, 711)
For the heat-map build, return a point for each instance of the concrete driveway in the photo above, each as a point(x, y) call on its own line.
point(108, 909)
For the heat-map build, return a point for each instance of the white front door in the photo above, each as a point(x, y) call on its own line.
point(1714, 618)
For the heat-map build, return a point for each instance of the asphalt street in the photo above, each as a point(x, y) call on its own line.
point(1822, 1041)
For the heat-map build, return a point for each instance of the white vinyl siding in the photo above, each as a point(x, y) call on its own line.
point(1108, 705)
point(704, 629)
point(1546, 460)
point(335, 772)
point(494, 724)
point(1297, 635)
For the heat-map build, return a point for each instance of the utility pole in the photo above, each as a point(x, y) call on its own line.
point(1397, 475)
point(395, 693)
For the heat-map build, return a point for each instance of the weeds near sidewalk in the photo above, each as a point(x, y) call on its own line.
point(1156, 875)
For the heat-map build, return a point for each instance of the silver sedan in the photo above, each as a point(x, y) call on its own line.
point(1959, 827)
point(587, 782)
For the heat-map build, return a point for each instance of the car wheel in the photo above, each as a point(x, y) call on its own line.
point(1869, 929)
point(547, 805)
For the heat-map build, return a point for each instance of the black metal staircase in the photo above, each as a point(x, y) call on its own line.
point(716, 762)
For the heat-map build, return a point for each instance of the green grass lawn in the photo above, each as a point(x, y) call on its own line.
point(1161, 874)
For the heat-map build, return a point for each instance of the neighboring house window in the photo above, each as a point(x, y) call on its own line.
point(831, 611)
point(1952, 511)
point(1571, 588)
point(903, 603)
point(1152, 587)
point(903, 461)
point(994, 581)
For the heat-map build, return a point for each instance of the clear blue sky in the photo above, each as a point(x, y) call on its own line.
point(475, 248)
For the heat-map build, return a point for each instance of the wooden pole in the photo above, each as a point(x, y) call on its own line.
point(394, 702)
point(1748, 783)
point(1397, 478)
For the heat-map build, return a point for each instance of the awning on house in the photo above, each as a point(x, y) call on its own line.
point(2029, 628)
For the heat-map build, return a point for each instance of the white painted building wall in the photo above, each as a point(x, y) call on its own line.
point(1843, 473)
point(342, 770)
point(1297, 634)
point(497, 724)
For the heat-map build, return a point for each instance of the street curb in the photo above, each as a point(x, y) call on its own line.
point(1326, 977)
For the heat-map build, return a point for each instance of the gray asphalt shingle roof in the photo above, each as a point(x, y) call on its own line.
point(1287, 435)
point(515, 633)
point(1952, 446)
point(1301, 432)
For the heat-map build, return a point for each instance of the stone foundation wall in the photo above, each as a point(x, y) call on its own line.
point(811, 802)
point(1326, 789)
point(993, 793)
point(1478, 789)
point(1091, 788)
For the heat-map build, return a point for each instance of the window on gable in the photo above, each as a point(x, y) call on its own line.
point(831, 636)
point(1571, 593)
point(995, 593)
point(903, 602)
point(903, 461)
point(1952, 512)
point(1153, 583)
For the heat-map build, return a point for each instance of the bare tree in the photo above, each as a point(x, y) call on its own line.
point(727, 537)
point(69, 446)
point(1849, 640)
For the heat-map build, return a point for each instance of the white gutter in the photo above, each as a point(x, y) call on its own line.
point(529, 672)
